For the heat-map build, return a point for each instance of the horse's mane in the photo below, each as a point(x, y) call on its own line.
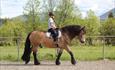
point(71, 30)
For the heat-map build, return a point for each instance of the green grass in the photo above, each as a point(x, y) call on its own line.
point(81, 53)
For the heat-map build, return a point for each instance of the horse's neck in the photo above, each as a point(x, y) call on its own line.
point(71, 35)
point(68, 37)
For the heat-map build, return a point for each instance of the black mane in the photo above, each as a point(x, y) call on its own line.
point(71, 30)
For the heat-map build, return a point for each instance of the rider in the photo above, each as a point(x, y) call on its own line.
point(52, 26)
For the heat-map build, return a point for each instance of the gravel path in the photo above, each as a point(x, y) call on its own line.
point(65, 65)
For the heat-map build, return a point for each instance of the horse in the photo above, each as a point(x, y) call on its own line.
point(36, 38)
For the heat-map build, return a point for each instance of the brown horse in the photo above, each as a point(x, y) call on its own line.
point(36, 38)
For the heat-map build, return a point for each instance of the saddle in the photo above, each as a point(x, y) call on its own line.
point(54, 33)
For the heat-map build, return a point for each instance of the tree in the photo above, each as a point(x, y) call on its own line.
point(12, 28)
point(31, 9)
point(92, 25)
point(110, 15)
point(49, 5)
point(108, 29)
point(65, 11)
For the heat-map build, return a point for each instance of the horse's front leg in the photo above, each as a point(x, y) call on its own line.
point(36, 62)
point(58, 56)
point(73, 61)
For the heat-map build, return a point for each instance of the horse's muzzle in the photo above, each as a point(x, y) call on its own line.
point(82, 41)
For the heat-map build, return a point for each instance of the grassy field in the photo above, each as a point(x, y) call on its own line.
point(10, 53)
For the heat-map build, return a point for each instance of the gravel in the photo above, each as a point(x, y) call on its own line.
point(65, 65)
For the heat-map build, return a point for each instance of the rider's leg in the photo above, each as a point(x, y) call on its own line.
point(53, 33)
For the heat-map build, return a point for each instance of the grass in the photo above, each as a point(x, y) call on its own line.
point(84, 53)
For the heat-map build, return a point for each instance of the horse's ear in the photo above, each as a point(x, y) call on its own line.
point(82, 28)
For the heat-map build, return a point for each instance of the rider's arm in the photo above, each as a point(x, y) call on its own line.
point(53, 25)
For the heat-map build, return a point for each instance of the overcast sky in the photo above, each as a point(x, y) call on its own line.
point(12, 8)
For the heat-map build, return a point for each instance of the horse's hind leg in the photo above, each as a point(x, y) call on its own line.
point(58, 57)
point(73, 61)
point(36, 62)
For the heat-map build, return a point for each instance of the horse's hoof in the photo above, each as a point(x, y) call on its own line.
point(36, 63)
point(73, 62)
point(26, 62)
point(58, 63)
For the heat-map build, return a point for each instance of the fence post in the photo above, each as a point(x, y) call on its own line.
point(17, 43)
point(103, 50)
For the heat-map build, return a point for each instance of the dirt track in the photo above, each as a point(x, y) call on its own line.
point(65, 65)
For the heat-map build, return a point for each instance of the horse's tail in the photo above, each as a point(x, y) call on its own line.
point(27, 50)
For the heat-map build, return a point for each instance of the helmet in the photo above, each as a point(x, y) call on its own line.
point(51, 14)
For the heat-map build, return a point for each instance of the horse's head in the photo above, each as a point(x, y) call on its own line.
point(74, 30)
point(81, 35)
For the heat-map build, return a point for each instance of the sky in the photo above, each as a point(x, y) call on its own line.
point(13, 8)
